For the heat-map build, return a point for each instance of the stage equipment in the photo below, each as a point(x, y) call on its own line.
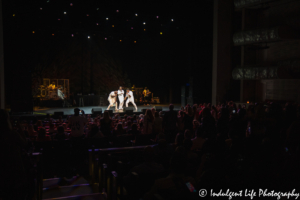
point(97, 111)
point(144, 110)
point(158, 108)
point(110, 112)
point(59, 113)
point(128, 110)
point(54, 89)
point(156, 100)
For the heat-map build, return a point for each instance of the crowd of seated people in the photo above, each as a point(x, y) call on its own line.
point(84, 126)
point(200, 146)
point(220, 147)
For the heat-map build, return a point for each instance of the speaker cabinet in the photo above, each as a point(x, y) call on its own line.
point(110, 112)
point(156, 100)
point(128, 110)
point(143, 111)
point(97, 111)
point(57, 114)
point(158, 108)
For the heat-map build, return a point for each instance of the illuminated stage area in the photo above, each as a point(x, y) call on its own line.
point(88, 109)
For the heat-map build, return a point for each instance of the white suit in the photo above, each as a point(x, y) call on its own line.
point(121, 98)
point(112, 98)
point(60, 94)
point(130, 98)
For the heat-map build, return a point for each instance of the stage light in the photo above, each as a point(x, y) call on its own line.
point(87, 15)
point(172, 20)
point(144, 29)
point(14, 15)
point(52, 34)
point(72, 35)
point(131, 27)
point(161, 33)
point(71, 4)
point(247, 101)
point(134, 42)
point(120, 40)
point(105, 38)
point(157, 17)
point(58, 19)
point(65, 13)
point(41, 8)
point(144, 23)
point(33, 32)
point(112, 25)
point(136, 14)
point(117, 10)
point(89, 37)
point(97, 24)
point(106, 18)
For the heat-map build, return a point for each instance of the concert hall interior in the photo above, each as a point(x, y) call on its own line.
point(152, 99)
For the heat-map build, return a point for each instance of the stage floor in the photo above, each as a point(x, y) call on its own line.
point(88, 109)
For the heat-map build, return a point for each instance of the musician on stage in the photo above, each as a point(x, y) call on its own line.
point(112, 98)
point(130, 98)
point(60, 93)
point(133, 88)
point(121, 97)
point(144, 93)
point(147, 96)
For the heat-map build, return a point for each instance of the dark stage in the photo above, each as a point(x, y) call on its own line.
point(88, 109)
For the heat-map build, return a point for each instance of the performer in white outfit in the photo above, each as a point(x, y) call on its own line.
point(130, 98)
point(112, 98)
point(121, 97)
point(60, 93)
